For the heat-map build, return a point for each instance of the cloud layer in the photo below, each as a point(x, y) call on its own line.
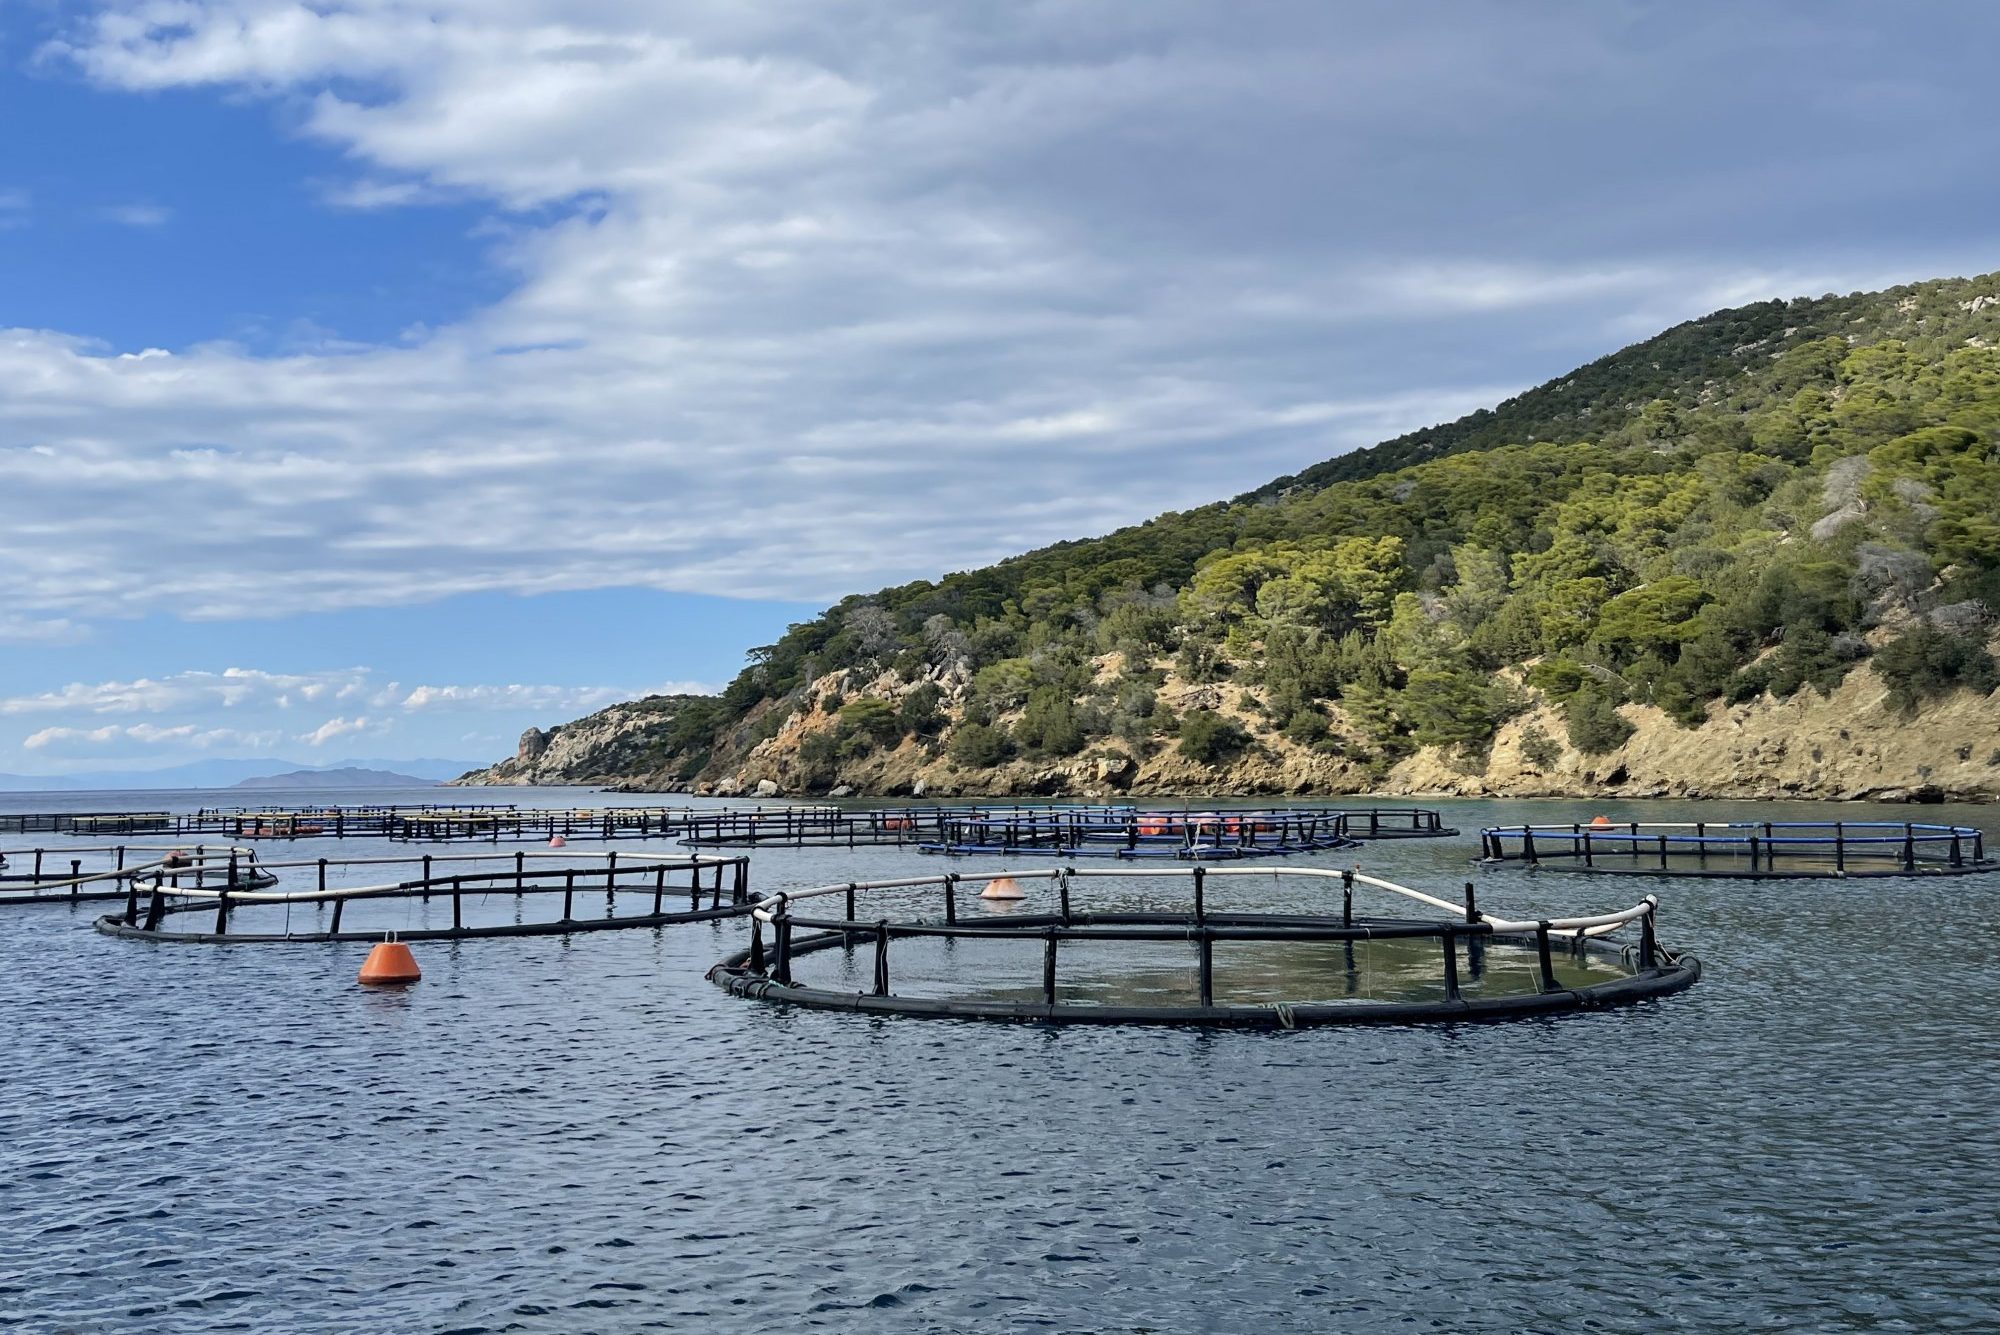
point(250, 711)
point(813, 298)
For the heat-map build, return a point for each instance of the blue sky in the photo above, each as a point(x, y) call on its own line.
point(380, 377)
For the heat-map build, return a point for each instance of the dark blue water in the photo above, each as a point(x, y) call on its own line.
point(552, 1135)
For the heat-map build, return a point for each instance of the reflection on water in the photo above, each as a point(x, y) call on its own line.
point(563, 1134)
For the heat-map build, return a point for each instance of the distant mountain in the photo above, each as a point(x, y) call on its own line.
point(33, 783)
point(232, 773)
point(348, 777)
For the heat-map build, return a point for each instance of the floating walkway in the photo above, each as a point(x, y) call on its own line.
point(485, 894)
point(1742, 849)
point(1193, 964)
point(74, 875)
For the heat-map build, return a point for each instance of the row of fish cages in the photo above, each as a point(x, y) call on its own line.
point(437, 823)
point(1742, 849)
point(1069, 831)
point(812, 827)
point(1235, 947)
point(1079, 830)
point(237, 822)
point(539, 825)
point(1189, 836)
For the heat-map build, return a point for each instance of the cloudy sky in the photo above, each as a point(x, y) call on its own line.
point(379, 377)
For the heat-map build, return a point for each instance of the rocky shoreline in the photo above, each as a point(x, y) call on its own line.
point(1850, 745)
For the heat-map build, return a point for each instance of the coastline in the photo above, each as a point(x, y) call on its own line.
point(1849, 745)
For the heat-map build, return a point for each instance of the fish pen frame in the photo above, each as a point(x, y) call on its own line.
point(766, 974)
point(148, 908)
point(1086, 830)
point(1772, 849)
point(56, 875)
point(1131, 832)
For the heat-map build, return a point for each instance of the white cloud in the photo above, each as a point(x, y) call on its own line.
point(571, 700)
point(814, 298)
point(251, 690)
point(231, 688)
point(178, 736)
point(341, 727)
point(41, 630)
point(47, 737)
point(136, 215)
point(258, 712)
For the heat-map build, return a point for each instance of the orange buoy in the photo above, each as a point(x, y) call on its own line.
point(389, 963)
point(175, 859)
point(557, 841)
point(1600, 820)
point(1002, 887)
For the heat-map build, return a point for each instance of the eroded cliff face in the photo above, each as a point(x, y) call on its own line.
point(1850, 745)
point(605, 748)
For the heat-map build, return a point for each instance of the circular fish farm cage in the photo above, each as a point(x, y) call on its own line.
point(797, 827)
point(444, 898)
point(77, 875)
point(932, 947)
point(90, 822)
point(1084, 830)
point(1192, 836)
point(516, 824)
point(1742, 849)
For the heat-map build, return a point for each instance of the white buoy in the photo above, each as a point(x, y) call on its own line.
point(1003, 887)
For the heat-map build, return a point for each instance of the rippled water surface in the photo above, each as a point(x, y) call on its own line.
point(583, 1134)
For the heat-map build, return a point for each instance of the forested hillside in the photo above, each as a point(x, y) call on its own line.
point(1748, 506)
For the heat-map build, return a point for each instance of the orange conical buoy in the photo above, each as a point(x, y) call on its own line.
point(389, 962)
point(1002, 887)
point(557, 841)
point(1600, 820)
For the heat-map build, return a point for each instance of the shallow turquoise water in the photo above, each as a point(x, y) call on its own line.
point(583, 1134)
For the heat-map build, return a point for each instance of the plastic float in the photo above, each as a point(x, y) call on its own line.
point(389, 964)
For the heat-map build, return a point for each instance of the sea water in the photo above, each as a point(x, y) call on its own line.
point(563, 1134)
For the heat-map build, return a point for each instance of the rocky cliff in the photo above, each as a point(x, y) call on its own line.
point(608, 747)
point(1852, 744)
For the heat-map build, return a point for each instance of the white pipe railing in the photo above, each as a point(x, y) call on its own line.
point(175, 861)
point(1593, 925)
